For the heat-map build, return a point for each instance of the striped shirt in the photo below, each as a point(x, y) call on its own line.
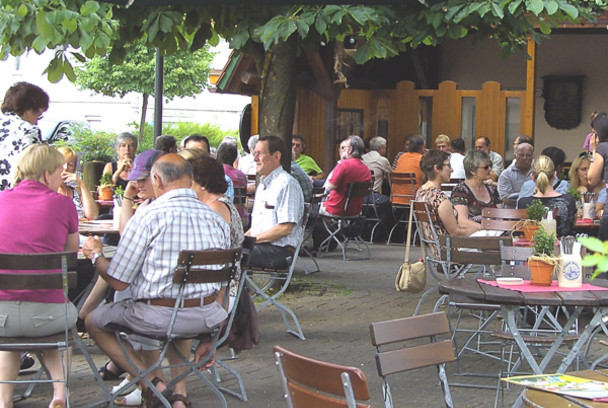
point(149, 248)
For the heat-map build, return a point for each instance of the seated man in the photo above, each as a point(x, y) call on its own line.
point(485, 144)
point(144, 262)
point(513, 177)
point(351, 169)
point(558, 157)
point(307, 163)
point(277, 209)
point(379, 165)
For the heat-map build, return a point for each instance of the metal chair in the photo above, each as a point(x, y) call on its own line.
point(263, 282)
point(393, 355)
point(192, 267)
point(372, 213)
point(53, 274)
point(314, 383)
point(403, 190)
point(345, 228)
point(318, 193)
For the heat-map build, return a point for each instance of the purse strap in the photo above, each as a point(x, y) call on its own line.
point(409, 236)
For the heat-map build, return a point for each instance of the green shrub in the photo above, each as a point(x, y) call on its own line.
point(90, 145)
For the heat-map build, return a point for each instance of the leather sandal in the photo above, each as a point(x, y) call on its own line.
point(181, 398)
point(148, 397)
point(107, 375)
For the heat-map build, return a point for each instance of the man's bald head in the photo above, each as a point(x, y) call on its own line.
point(171, 172)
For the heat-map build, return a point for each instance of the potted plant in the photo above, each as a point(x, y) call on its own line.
point(543, 259)
point(94, 150)
point(106, 188)
point(536, 212)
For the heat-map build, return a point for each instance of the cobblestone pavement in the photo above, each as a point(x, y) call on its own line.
point(335, 307)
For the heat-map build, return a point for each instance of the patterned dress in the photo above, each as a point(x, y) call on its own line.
point(15, 135)
point(237, 235)
point(462, 195)
point(433, 198)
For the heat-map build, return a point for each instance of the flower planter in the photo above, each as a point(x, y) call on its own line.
point(106, 193)
point(529, 231)
point(541, 273)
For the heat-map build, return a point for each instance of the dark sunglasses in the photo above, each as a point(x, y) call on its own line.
point(486, 167)
point(584, 154)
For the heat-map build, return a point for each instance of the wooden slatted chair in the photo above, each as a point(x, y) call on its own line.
point(193, 267)
point(53, 271)
point(403, 190)
point(393, 355)
point(502, 219)
point(314, 383)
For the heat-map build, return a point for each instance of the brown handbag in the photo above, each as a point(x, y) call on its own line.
point(411, 277)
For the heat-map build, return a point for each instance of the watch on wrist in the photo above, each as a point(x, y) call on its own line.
point(95, 257)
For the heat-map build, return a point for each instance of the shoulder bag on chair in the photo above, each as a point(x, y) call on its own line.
point(411, 277)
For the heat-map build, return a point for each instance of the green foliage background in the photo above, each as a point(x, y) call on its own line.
point(182, 129)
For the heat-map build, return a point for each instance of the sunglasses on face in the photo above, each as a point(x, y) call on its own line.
point(486, 167)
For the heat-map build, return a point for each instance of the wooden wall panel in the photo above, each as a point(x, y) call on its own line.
point(405, 116)
point(490, 118)
point(310, 123)
point(447, 111)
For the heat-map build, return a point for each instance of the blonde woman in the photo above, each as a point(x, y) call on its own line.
point(543, 174)
point(36, 219)
point(74, 187)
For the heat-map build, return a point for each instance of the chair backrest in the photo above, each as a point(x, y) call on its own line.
point(61, 261)
point(308, 382)
point(515, 255)
point(190, 266)
point(403, 187)
point(473, 250)
point(422, 215)
point(502, 219)
point(400, 358)
point(449, 186)
point(360, 189)
point(240, 196)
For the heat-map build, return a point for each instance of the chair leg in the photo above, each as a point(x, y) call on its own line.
point(309, 255)
point(241, 393)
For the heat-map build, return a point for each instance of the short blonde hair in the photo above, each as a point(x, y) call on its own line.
point(442, 139)
point(192, 153)
point(68, 154)
point(36, 160)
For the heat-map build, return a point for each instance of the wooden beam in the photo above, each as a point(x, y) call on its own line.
point(326, 87)
point(527, 125)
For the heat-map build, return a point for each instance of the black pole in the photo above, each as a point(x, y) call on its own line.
point(158, 95)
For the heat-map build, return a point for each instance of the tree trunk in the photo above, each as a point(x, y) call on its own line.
point(278, 95)
point(142, 120)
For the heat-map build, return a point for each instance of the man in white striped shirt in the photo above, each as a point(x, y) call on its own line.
point(144, 262)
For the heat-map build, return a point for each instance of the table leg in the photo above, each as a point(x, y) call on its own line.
point(583, 338)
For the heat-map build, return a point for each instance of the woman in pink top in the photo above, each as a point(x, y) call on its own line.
point(35, 219)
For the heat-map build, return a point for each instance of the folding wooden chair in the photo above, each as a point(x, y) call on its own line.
point(502, 219)
point(313, 383)
point(346, 228)
point(192, 267)
point(393, 355)
point(403, 190)
point(53, 274)
point(263, 282)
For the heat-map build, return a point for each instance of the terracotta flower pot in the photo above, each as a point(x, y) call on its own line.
point(529, 231)
point(106, 193)
point(541, 273)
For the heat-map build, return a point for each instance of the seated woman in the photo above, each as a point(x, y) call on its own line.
point(74, 187)
point(435, 165)
point(579, 175)
point(126, 147)
point(36, 219)
point(471, 196)
point(543, 173)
